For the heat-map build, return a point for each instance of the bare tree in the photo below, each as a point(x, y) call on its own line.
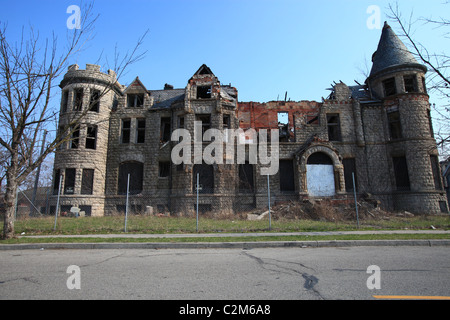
point(438, 80)
point(29, 71)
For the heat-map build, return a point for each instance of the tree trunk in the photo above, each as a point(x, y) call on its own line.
point(10, 206)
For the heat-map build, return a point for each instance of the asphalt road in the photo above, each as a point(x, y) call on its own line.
point(223, 274)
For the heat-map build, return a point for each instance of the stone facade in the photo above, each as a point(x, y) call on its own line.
point(380, 131)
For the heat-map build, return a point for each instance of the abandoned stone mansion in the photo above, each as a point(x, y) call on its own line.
point(376, 136)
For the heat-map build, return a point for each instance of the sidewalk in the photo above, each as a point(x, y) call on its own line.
point(231, 244)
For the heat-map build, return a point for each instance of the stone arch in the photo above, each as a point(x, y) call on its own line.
point(334, 161)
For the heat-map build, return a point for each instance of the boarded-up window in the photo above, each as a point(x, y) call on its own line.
point(69, 181)
point(87, 181)
point(320, 175)
point(436, 172)
point(401, 173)
point(136, 171)
point(287, 182)
point(334, 127)
point(349, 168)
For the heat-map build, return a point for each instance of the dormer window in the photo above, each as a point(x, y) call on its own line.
point(204, 92)
point(135, 100)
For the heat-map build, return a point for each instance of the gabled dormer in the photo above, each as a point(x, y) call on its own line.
point(136, 94)
point(203, 84)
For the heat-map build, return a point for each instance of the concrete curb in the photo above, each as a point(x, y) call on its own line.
point(225, 245)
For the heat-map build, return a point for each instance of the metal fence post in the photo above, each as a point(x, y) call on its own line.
point(356, 203)
point(268, 196)
point(126, 204)
point(197, 187)
point(57, 202)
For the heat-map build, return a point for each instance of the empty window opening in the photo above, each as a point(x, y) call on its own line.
point(410, 83)
point(86, 209)
point(246, 182)
point(164, 169)
point(334, 127)
point(94, 103)
point(283, 126)
point(203, 208)
point(165, 130)
point(226, 121)
point(78, 99)
point(395, 127)
point(424, 85)
point(181, 122)
point(206, 178)
point(443, 206)
point(65, 101)
point(69, 181)
point(126, 127)
point(135, 100)
point(436, 172)
point(56, 181)
point(91, 137)
point(140, 131)
point(206, 122)
point(389, 87)
point(75, 138)
point(87, 181)
point(203, 92)
point(401, 173)
point(430, 122)
point(349, 170)
point(136, 171)
point(287, 182)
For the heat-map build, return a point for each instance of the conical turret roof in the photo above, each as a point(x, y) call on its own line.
point(391, 53)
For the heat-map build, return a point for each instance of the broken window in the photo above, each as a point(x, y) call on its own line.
point(334, 127)
point(69, 181)
point(94, 103)
point(206, 178)
point(395, 127)
point(312, 118)
point(410, 83)
point(164, 169)
point(87, 210)
point(436, 172)
point(140, 131)
point(283, 126)
point(126, 128)
point(165, 129)
point(78, 99)
point(206, 122)
point(424, 85)
point(226, 121)
point(246, 183)
point(401, 173)
point(203, 92)
point(91, 137)
point(87, 181)
point(389, 87)
point(349, 170)
point(75, 138)
point(287, 182)
point(65, 101)
point(135, 100)
point(136, 171)
point(180, 122)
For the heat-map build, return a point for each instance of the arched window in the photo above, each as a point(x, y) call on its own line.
point(136, 171)
point(320, 175)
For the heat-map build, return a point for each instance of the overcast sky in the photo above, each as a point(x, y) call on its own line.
point(262, 47)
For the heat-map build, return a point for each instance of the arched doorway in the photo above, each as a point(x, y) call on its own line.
point(320, 175)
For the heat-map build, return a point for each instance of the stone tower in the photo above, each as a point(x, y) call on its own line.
point(80, 162)
point(398, 81)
